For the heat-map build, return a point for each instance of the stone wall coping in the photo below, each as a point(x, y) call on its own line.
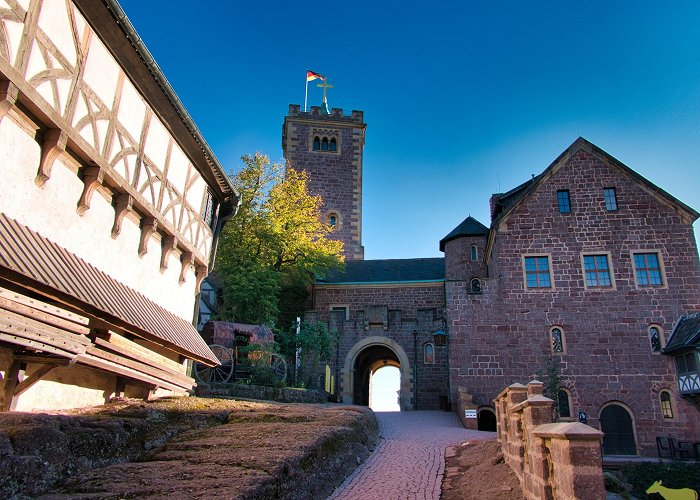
point(517, 386)
point(575, 431)
point(532, 401)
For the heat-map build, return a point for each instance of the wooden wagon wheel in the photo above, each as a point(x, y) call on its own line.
point(222, 373)
point(279, 367)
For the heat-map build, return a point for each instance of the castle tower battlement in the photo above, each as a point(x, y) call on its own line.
point(329, 147)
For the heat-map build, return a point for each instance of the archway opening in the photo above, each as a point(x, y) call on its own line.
point(616, 423)
point(486, 420)
point(384, 386)
point(367, 362)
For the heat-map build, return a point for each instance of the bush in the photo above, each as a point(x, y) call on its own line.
point(672, 474)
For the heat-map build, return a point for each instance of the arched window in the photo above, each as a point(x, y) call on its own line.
point(317, 143)
point(428, 354)
point(332, 220)
point(324, 144)
point(666, 405)
point(475, 285)
point(334, 145)
point(557, 338)
point(564, 406)
point(655, 338)
point(474, 253)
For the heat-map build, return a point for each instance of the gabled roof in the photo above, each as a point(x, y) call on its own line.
point(388, 271)
point(469, 227)
point(685, 335)
point(504, 203)
point(34, 261)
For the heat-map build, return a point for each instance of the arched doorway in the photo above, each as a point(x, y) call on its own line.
point(486, 420)
point(616, 422)
point(384, 386)
point(365, 358)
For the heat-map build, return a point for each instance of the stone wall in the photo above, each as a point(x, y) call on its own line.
point(503, 334)
point(334, 175)
point(410, 309)
point(551, 460)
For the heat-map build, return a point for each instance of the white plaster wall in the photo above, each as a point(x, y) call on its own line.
point(51, 211)
point(67, 387)
point(53, 70)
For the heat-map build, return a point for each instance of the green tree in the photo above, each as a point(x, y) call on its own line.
point(271, 250)
point(316, 344)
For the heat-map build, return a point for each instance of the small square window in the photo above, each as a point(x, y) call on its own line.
point(647, 269)
point(610, 199)
point(537, 272)
point(597, 271)
point(564, 201)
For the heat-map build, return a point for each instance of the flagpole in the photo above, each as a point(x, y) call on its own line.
point(306, 92)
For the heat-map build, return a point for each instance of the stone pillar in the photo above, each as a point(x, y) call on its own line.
point(466, 403)
point(576, 462)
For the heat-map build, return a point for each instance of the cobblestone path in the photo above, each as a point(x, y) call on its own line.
point(409, 460)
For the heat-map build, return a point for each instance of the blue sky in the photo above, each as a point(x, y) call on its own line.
point(461, 99)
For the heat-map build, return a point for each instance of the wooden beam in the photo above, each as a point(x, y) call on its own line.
point(11, 380)
point(36, 345)
point(8, 96)
point(39, 359)
point(32, 379)
point(120, 387)
point(43, 306)
point(149, 225)
point(169, 244)
point(176, 379)
point(186, 261)
point(92, 177)
point(109, 366)
point(35, 314)
point(123, 203)
point(53, 145)
point(131, 349)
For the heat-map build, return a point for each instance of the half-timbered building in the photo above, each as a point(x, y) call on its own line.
point(110, 206)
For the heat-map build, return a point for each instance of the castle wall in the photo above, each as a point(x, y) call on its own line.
point(501, 336)
point(409, 309)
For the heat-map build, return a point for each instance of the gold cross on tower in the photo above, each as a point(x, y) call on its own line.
point(325, 87)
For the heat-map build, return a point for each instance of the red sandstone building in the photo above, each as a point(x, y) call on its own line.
point(580, 279)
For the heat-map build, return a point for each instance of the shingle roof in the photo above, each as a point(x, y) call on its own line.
point(686, 334)
point(43, 262)
point(388, 271)
point(469, 227)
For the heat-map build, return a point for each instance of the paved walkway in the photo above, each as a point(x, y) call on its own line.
point(409, 460)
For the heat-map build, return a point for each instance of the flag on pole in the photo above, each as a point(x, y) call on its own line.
point(310, 76)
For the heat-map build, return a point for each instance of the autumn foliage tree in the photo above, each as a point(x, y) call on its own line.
point(272, 249)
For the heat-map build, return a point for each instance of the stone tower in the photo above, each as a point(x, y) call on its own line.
point(329, 147)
